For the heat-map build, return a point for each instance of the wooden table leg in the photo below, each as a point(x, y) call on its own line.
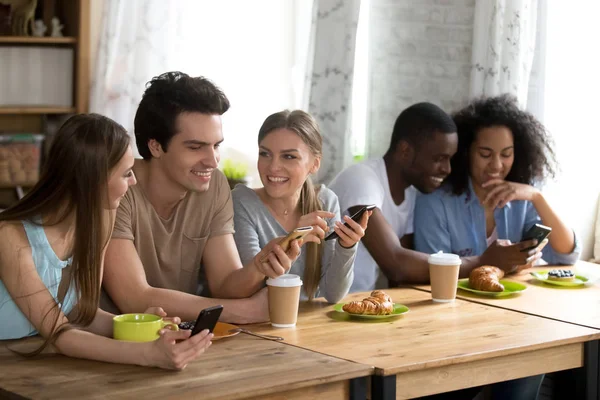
point(383, 387)
point(358, 388)
point(580, 383)
point(591, 369)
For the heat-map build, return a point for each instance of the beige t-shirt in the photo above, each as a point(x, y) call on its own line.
point(171, 249)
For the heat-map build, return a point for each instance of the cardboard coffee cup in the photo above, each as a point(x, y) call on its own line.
point(443, 275)
point(284, 296)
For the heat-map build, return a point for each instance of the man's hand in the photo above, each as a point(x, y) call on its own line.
point(507, 256)
point(259, 307)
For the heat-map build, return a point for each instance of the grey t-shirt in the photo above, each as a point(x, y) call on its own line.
point(255, 226)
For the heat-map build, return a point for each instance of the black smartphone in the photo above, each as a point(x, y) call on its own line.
point(537, 231)
point(356, 217)
point(207, 319)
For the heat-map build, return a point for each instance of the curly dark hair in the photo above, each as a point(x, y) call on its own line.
point(534, 159)
point(167, 96)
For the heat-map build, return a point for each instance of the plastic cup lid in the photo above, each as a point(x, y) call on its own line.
point(441, 258)
point(287, 280)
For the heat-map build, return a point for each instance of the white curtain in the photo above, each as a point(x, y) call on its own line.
point(136, 40)
point(256, 51)
point(571, 88)
point(330, 73)
point(504, 35)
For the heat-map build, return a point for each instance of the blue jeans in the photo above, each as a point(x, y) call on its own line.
point(517, 389)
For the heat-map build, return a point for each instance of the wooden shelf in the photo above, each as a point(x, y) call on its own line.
point(37, 40)
point(36, 110)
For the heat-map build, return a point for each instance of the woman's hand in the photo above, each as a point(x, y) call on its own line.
point(175, 350)
point(534, 261)
point(507, 256)
point(351, 234)
point(272, 261)
point(161, 313)
point(501, 192)
point(316, 219)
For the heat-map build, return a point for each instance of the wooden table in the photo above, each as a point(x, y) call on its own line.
point(575, 305)
point(437, 348)
point(238, 367)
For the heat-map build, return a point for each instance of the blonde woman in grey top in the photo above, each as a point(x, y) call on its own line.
point(289, 152)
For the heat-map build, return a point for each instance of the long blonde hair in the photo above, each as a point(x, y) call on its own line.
point(74, 182)
point(305, 126)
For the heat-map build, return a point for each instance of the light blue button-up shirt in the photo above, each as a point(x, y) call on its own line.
point(456, 224)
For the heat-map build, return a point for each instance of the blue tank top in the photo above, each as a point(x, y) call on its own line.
point(14, 324)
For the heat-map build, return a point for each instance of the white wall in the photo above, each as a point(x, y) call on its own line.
point(420, 50)
point(571, 113)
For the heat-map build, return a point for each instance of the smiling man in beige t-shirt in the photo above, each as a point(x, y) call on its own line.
point(174, 229)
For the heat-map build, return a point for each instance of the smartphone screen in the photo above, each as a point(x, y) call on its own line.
point(537, 231)
point(207, 319)
point(356, 217)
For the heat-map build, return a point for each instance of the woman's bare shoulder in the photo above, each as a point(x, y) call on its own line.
point(12, 234)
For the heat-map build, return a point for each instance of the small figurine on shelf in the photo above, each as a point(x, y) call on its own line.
point(57, 28)
point(39, 28)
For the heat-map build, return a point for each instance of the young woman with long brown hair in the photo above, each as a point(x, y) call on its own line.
point(290, 147)
point(52, 246)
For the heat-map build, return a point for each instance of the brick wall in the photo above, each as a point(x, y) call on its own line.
point(420, 50)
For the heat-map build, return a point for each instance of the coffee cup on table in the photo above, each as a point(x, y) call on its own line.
point(139, 327)
point(443, 275)
point(284, 296)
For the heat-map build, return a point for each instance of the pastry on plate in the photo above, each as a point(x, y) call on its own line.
point(378, 303)
point(561, 275)
point(486, 278)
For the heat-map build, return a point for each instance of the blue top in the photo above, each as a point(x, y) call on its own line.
point(456, 224)
point(15, 324)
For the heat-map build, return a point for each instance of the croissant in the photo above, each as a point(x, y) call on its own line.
point(486, 278)
point(378, 303)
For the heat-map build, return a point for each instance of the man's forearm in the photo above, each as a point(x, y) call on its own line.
point(187, 306)
point(468, 263)
point(407, 266)
point(241, 283)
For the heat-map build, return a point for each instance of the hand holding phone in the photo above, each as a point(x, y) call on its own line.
point(538, 232)
point(296, 234)
point(355, 217)
point(207, 319)
point(284, 243)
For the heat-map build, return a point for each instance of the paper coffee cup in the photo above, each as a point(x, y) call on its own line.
point(444, 269)
point(284, 296)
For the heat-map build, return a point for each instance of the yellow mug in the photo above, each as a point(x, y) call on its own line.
point(139, 327)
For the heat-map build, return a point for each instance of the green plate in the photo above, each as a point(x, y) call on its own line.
point(543, 276)
point(510, 288)
point(399, 309)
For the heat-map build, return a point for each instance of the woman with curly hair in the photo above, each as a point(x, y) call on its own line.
point(504, 155)
point(492, 194)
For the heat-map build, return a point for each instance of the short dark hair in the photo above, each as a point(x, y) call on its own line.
point(534, 159)
point(420, 121)
point(167, 96)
